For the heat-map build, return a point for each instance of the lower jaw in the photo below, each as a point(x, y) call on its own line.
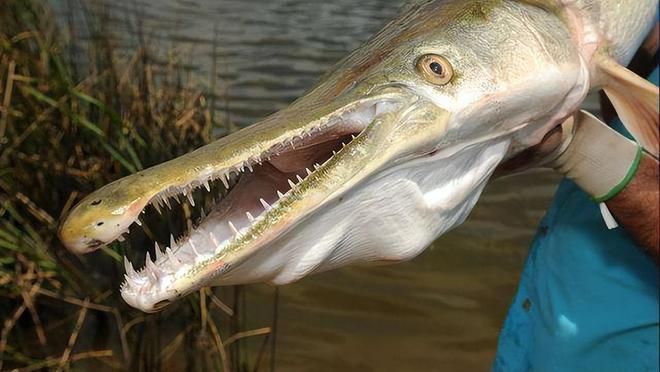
point(202, 249)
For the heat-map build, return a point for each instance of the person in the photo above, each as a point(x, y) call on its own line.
point(588, 295)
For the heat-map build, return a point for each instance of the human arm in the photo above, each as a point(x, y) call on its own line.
point(611, 169)
point(636, 206)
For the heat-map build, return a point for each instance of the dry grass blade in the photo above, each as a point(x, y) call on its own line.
point(171, 348)
point(6, 101)
point(37, 212)
point(65, 359)
point(7, 327)
point(262, 353)
point(219, 345)
point(217, 302)
point(240, 335)
point(75, 301)
point(122, 336)
point(28, 299)
point(51, 362)
point(123, 329)
point(203, 309)
point(137, 320)
point(69, 204)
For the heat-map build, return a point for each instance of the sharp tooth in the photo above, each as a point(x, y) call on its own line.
point(170, 256)
point(214, 240)
point(249, 166)
point(343, 144)
point(291, 183)
point(203, 214)
point(316, 166)
point(266, 205)
point(138, 222)
point(120, 238)
point(128, 266)
point(193, 248)
point(129, 281)
point(157, 250)
point(207, 186)
point(308, 171)
point(157, 207)
point(279, 194)
point(191, 200)
point(225, 181)
point(152, 269)
point(353, 136)
point(172, 241)
point(233, 228)
point(167, 202)
point(334, 152)
point(299, 178)
point(249, 216)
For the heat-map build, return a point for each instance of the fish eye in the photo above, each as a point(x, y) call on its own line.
point(435, 69)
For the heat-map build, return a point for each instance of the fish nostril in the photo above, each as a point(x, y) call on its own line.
point(96, 202)
point(100, 223)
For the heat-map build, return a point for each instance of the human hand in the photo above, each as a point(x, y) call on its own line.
point(597, 158)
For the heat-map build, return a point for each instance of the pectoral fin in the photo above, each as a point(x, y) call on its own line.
point(635, 101)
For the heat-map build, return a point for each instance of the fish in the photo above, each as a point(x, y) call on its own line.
point(388, 151)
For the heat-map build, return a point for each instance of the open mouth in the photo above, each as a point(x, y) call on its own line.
point(241, 197)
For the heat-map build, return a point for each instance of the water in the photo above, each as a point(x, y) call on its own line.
point(441, 311)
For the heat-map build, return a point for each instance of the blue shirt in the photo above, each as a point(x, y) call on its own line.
point(587, 299)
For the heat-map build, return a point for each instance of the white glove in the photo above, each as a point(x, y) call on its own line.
point(597, 158)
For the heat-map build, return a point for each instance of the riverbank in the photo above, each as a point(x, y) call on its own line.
point(72, 120)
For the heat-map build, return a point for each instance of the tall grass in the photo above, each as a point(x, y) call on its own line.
point(65, 131)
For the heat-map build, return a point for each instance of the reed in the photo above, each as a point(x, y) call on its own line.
point(66, 130)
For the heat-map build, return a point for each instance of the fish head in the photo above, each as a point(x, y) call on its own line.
point(390, 150)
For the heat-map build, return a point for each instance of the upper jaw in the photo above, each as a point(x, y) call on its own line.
point(90, 226)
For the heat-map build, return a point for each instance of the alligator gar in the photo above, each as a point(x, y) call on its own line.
point(391, 149)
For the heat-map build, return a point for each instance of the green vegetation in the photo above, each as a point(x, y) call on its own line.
point(65, 131)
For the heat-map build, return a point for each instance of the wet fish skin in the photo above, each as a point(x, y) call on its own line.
point(422, 154)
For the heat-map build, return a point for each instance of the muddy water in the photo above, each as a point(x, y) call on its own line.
point(441, 311)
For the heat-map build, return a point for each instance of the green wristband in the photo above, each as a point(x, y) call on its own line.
point(625, 181)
